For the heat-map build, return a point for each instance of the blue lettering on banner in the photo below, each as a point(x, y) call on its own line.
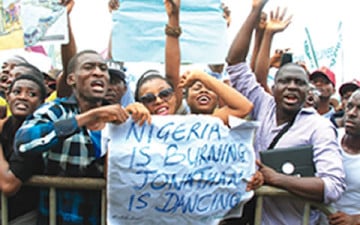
point(201, 178)
point(329, 54)
point(174, 132)
point(187, 204)
point(143, 155)
point(140, 200)
point(145, 181)
point(191, 168)
point(196, 156)
point(198, 203)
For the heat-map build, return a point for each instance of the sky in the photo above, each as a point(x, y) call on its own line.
point(91, 22)
point(319, 15)
point(98, 19)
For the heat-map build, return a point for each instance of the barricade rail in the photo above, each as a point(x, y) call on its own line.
point(273, 191)
point(100, 184)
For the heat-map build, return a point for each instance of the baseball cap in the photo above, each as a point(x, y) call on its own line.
point(324, 72)
point(117, 73)
point(349, 86)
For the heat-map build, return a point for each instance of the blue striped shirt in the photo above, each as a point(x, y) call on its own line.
point(68, 150)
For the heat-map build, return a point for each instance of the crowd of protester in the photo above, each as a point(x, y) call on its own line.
point(52, 120)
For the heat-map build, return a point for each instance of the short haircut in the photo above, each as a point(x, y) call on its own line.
point(290, 64)
point(146, 76)
point(36, 80)
point(33, 70)
point(74, 60)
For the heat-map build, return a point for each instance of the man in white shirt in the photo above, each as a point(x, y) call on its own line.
point(349, 138)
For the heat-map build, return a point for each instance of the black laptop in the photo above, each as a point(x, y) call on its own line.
point(297, 161)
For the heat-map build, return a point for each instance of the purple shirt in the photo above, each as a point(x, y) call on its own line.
point(309, 128)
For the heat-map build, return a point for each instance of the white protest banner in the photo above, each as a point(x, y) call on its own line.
point(139, 31)
point(44, 22)
point(178, 170)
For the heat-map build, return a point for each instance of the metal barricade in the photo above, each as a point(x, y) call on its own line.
point(61, 182)
point(100, 184)
point(274, 192)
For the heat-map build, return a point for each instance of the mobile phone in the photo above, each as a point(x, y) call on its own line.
point(286, 58)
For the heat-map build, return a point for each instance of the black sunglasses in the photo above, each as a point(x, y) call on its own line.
point(165, 95)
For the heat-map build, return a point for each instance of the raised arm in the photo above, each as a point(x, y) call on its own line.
point(67, 51)
point(240, 46)
point(112, 5)
point(259, 33)
point(277, 23)
point(172, 47)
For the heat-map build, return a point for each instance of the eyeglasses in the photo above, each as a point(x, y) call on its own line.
point(165, 95)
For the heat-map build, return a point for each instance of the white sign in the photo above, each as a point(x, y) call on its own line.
point(138, 33)
point(44, 22)
point(178, 170)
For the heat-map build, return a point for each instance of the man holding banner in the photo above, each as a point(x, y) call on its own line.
point(189, 170)
point(304, 126)
point(67, 131)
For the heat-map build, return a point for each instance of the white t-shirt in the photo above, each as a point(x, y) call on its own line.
point(349, 201)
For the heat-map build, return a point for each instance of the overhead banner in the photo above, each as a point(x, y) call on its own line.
point(317, 54)
point(315, 51)
point(28, 23)
point(139, 31)
point(44, 22)
point(179, 170)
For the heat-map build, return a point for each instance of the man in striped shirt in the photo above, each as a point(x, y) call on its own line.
point(66, 132)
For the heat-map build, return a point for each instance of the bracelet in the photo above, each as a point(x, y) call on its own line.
point(173, 31)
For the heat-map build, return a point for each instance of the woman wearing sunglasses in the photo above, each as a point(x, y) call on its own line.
point(159, 94)
point(163, 96)
point(156, 93)
point(204, 91)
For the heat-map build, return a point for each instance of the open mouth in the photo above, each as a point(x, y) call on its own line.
point(21, 106)
point(291, 99)
point(163, 110)
point(203, 99)
point(98, 85)
point(349, 123)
